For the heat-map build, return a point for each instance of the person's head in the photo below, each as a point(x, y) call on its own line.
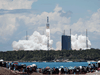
point(34, 69)
point(28, 68)
point(10, 63)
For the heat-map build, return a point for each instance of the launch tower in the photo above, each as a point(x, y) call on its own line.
point(86, 40)
point(66, 41)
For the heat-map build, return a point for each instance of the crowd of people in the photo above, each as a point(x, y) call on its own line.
point(55, 70)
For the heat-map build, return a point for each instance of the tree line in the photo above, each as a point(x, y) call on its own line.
point(41, 55)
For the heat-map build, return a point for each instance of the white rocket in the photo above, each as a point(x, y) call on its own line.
point(48, 33)
point(47, 25)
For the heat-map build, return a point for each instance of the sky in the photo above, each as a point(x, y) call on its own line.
point(19, 16)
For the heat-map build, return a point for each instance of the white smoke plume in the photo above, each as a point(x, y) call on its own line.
point(35, 42)
point(77, 43)
point(39, 42)
point(58, 45)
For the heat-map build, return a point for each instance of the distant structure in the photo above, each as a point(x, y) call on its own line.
point(48, 32)
point(86, 40)
point(26, 36)
point(64, 32)
point(66, 42)
point(70, 39)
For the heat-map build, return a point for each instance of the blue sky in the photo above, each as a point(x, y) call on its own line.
point(19, 16)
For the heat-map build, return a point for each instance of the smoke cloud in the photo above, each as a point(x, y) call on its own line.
point(39, 42)
point(35, 42)
point(79, 42)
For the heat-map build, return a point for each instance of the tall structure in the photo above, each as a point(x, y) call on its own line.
point(70, 32)
point(47, 25)
point(48, 33)
point(86, 39)
point(64, 32)
point(70, 39)
point(26, 36)
point(66, 42)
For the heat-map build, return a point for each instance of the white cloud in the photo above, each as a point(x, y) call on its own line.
point(16, 4)
point(57, 22)
point(8, 22)
point(7, 25)
point(93, 24)
point(57, 8)
point(58, 45)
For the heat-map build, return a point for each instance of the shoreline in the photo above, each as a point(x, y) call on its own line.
point(51, 61)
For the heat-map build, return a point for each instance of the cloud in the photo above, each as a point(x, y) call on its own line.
point(58, 45)
point(17, 11)
point(62, 12)
point(10, 13)
point(57, 22)
point(16, 4)
point(7, 25)
point(65, 14)
point(57, 8)
point(93, 24)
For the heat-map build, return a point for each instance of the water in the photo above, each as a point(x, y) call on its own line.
point(56, 64)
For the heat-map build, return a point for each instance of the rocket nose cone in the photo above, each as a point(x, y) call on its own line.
point(47, 19)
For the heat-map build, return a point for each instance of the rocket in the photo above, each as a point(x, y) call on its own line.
point(48, 32)
point(48, 28)
point(47, 25)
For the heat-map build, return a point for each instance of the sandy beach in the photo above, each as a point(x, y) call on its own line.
point(5, 71)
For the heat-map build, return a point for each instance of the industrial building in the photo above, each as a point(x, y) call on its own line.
point(66, 42)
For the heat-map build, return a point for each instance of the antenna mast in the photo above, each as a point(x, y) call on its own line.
point(86, 39)
point(26, 35)
point(64, 32)
point(70, 32)
point(70, 38)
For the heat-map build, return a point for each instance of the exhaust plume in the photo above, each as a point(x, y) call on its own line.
point(35, 42)
point(79, 42)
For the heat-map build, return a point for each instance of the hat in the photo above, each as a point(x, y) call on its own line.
point(59, 69)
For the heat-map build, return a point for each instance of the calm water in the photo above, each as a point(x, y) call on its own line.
point(56, 64)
